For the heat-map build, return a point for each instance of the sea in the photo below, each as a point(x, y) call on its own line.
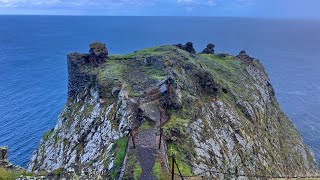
point(33, 69)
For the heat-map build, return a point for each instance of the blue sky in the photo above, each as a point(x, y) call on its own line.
point(236, 8)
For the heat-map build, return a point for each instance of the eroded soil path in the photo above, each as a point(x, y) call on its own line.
point(146, 151)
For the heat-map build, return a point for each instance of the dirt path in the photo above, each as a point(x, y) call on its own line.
point(146, 137)
point(146, 149)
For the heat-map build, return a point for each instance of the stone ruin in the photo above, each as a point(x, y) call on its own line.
point(98, 53)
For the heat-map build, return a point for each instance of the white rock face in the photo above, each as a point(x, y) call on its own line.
point(84, 134)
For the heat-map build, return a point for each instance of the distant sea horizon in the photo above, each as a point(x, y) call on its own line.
point(33, 71)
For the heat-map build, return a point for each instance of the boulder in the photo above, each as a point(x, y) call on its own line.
point(209, 49)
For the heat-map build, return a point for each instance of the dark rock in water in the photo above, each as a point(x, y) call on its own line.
point(4, 162)
point(187, 47)
point(209, 49)
point(3, 153)
point(98, 53)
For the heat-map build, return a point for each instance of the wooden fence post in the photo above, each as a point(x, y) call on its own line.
point(132, 138)
point(178, 169)
point(172, 168)
point(160, 138)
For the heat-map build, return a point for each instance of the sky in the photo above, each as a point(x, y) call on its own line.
point(302, 9)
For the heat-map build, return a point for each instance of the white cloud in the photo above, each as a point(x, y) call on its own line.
point(198, 2)
point(74, 3)
point(184, 1)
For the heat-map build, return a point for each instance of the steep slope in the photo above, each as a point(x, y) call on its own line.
point(217, 113)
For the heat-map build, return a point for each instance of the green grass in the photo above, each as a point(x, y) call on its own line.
point(137, 171)
point(227, 72)
point(56, 138)
point(156, 74)
point(180, 158)
point(145, 125)
point(176, 121)
point(157, 170)
point(134, 94)
point(58, 171)
point(5, 174)
point(47, 135)
point(120, 149)
point(10, 174)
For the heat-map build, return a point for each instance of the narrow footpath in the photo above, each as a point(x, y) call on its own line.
point(146, 151)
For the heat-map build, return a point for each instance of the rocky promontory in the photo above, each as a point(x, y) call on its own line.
point(127, 114)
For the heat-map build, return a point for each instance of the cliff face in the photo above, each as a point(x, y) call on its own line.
point(217, 113)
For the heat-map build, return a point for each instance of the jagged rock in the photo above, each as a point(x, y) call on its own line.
point(3, 153)
point(187, 47)
point(171, 96)
point(98, 53)
point(79, 82)
point(243, 52)
point(209, 49)
point(207, 84)
point(155, 62)
point(116, 90)
point(243, 56)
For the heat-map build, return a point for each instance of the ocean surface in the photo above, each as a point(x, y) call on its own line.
point(33, 71)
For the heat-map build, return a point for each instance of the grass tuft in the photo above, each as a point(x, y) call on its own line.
point(47, 135)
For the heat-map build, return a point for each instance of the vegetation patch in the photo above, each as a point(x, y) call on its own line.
point(145, 125)
point(47, 134)
point(14, 174)
point(137, 171)
point(181, 158)
point(157, 170)
point(176, 123)
point(120, 149)
point(58, 171)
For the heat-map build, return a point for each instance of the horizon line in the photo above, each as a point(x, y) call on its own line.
point(183, 16)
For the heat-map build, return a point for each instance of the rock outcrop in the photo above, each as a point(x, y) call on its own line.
point(216, 113)
point(98, 53)
point(209, 49)
point(79, 81)
point(187, 47)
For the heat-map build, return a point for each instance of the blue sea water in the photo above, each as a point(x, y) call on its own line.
point(33, 74)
